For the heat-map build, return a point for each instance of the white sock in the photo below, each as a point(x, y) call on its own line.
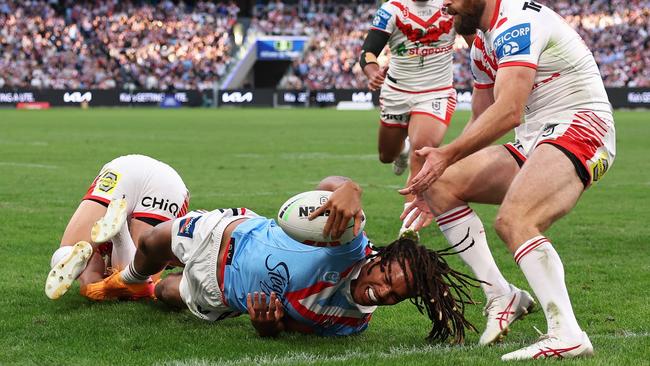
point(59, 254)
point(130, 275)
point(544, 271)
point(462, 227)
point(123, 248)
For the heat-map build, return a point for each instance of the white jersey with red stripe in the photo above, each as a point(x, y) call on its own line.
point(568, 106)
point(525, 33)
point(152, 189)
point(421, 44)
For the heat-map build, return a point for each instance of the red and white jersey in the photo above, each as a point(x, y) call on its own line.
point(421, 44)
point(525, 33)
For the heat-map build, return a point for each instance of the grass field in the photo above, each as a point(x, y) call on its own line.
point(257, 159)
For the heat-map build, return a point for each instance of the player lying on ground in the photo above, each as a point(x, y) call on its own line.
point(526, 60)
point(232, 256)
point(142, 193)
point(417, 97)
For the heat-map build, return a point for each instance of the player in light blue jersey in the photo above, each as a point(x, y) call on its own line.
point(234, 260)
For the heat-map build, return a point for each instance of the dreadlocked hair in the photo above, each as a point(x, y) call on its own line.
point(435, 287)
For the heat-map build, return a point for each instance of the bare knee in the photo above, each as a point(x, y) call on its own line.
point(513, 229)
point(168, 291)
point(147, 243)
point(386, 157)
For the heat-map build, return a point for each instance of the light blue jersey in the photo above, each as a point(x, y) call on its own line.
point(313, 283)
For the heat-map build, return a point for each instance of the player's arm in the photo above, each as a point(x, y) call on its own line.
point(482, 98)
point(372, 47)
point(344, 204)
point(511, 90)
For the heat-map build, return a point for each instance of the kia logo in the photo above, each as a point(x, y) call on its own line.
point(77, 97)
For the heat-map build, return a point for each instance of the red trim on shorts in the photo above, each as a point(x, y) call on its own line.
point(91, 197)
point(483, 86)
point(518, 63)
point(444, 122)
point(513, 150)
point(222, 271)
point(495, 14)
point(135, 215)
point(420, 92)
point(386, 124)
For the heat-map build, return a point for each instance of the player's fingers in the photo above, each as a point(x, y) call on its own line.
point(318, 211)
point(327, 229)
point(249, 305)
point(412, 218)
point(279, 311)
point(339, 222)
point(407, 210)
point(263, 301)
point(357, 223)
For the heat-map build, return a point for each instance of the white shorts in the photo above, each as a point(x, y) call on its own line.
point(397, 107)
point(152, 189)
point(588, 139)
point(196, 239)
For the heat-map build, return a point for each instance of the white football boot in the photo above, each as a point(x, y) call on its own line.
point(402, 161)
point(67, 270)
point(501, 311)
point(111, 223)
point(549, 346)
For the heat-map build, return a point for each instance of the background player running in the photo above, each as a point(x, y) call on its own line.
point(526, 60)
point(130, 195)
point(234, 260)
point(417, 96)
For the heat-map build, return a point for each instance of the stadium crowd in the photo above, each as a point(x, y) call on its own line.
point(615, 30)
point(173, 45)
point(45, 44)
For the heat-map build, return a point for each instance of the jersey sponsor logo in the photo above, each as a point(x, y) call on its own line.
point(107, 181)
point(331, 277)
point(599, 168)
point(381, 19)
point(278, 277)
point(187, 225)
point(514, 41)
point(161, 204)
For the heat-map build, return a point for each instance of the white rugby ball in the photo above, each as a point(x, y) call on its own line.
point(293, 219)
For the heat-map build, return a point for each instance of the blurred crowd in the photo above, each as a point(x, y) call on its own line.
point(107, 44)
point(616, 31)
point(177, 45)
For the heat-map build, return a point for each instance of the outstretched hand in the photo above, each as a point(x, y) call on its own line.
point(417, 208)
point(267, 319)
point(343, 205)
point(435, 163)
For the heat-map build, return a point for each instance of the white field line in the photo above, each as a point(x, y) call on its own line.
point(28, 165)
point(310, 156)
point(28, 143)
point(393, 352)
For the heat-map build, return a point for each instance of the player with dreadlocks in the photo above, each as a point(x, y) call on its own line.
point(235, 260)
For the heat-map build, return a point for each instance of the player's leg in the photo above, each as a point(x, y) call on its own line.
point(152, 256)
point(390, 141)
point(483, 177)
point(76, 258)
point(394, 118)
point(424, 130)
point(168, 291)
point(546, 189)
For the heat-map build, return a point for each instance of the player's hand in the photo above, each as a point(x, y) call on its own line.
point(376, 79)
point(267, 319)
point(420, 209)
point(343, 205)
point(435, 163)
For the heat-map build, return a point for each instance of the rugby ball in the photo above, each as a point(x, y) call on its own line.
point(293, 219)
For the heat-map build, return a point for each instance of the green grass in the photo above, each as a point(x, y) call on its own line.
point(258, 158)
